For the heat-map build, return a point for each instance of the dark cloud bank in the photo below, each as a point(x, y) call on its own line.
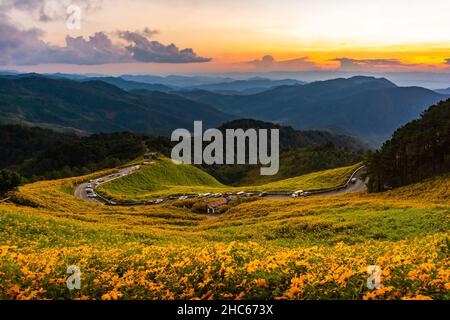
point(25, 47)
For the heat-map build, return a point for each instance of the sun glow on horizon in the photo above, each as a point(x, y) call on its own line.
point(298, 34)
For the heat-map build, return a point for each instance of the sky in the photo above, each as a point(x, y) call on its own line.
point(214, 36)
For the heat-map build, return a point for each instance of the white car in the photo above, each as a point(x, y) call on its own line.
point(183, 197)
point(298, 193)
point(158, 201)
point(92, 195)
point(241, 193)
point(353, 180)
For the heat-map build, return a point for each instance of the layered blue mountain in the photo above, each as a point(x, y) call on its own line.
point(366, 107)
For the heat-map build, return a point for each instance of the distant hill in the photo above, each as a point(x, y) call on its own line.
point(443, 91)
point(96, 106)
point(253, 85)
point(291, 138)
point(177, 81)
point(301, 152)
point(417, 151)
point(367, 107)
point(131, 85)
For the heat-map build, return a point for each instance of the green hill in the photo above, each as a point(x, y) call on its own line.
point(163, 178)
point(160, 179)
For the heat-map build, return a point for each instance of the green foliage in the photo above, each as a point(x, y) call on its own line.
point(417, 151)
point(44, 154)
point(301, 152)
point(9, 181)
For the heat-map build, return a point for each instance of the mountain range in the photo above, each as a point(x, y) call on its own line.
point(96, 106)
point(367, 107)
point(443, 91)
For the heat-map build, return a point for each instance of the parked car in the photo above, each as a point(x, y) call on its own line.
point(353, 180)
point(92, 195)
point(297, 194)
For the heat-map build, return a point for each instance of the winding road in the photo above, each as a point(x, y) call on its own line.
point(354, 184)
point(80, 191)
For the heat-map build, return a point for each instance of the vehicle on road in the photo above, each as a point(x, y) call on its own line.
point(183, 198)
point(158, 201)
point(92, 195)
point(262, 194)
point(353, 180)
point(241, 193)
point(296, 194)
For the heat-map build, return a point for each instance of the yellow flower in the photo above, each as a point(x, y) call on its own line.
point(262, 283)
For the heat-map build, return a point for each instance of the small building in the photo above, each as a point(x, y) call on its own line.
point(214, 207)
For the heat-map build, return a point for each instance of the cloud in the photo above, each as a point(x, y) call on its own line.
point(144, 50)
point(25, 47)
point(348, 64)
point(268, 63)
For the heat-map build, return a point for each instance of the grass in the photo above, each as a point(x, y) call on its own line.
point(163, 179)
point(309, 248)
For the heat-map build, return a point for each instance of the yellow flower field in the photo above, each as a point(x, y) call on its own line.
point(312, 248)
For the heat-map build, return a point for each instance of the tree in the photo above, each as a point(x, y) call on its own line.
point(9, 181)
point(417, 151)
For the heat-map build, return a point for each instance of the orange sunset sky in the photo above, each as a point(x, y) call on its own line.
point(233, 36)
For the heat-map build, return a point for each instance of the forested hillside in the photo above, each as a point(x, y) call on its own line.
point(97, 106)
point(418, 150)
point(44, 154)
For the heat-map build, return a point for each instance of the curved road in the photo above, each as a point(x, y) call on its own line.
point(351, 186)
point(80, 191)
